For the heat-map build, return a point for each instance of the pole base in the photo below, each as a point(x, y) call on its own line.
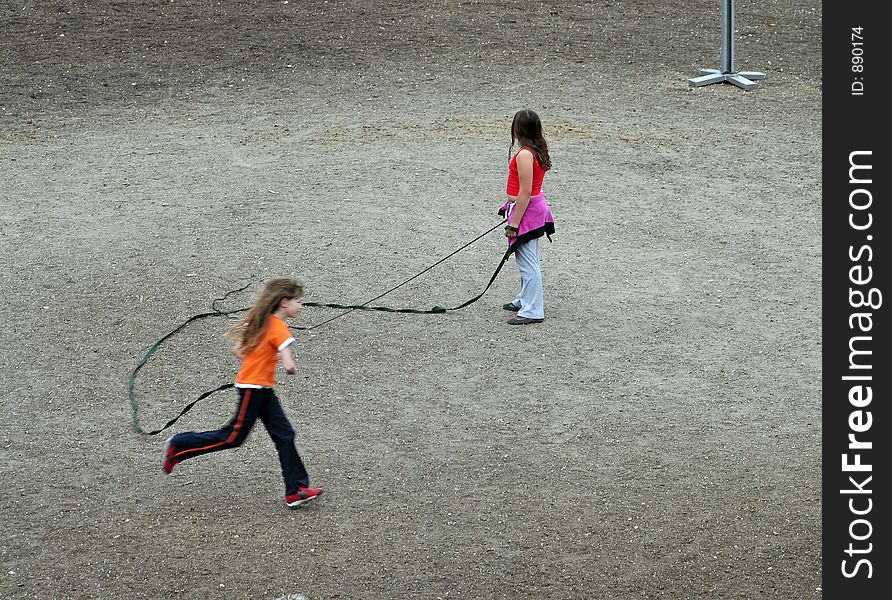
point(742, 79)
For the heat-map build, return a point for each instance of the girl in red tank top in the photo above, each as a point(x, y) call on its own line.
point(513, 187)
point(529, 216)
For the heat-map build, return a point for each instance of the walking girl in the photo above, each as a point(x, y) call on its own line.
point(528, 213)
point(261, 339)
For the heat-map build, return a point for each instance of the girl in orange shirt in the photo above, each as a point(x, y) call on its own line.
point(261, 338)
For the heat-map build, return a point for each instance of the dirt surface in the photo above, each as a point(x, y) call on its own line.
point(658, 436)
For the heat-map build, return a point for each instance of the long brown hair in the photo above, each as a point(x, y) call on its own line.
point(246, 333)
point(526, 130)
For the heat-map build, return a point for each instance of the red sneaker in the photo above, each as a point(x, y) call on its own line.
point(169, 461)
point(303, 495)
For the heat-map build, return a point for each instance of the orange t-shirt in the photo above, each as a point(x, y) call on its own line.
point(259, 365)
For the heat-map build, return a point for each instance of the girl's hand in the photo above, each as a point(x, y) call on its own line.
point(511, 231)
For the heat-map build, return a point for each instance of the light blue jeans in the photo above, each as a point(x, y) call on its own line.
point(530, 298)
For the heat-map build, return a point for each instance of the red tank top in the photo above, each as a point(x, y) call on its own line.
point(513, 187)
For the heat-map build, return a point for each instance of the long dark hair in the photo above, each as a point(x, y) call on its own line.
point(247, 331)
point(526, 130)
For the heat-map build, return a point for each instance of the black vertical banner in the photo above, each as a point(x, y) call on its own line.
point(857, 370)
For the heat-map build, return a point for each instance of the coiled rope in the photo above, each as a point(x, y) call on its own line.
point(348, 308)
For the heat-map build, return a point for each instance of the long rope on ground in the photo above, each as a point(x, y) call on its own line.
point(348, 308)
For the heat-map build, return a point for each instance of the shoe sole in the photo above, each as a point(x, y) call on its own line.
point(532, 322)
point(167, 447)
point(299, 503)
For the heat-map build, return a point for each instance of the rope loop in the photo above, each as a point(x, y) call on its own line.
point(348, 308)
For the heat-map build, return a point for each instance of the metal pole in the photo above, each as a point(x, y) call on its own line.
point(727, 36)
point(742, 79)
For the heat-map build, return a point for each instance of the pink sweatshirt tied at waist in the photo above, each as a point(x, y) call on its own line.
point(537, 220)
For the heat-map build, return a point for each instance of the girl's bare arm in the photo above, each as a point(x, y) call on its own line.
point(288, 360)
point(525, 178)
